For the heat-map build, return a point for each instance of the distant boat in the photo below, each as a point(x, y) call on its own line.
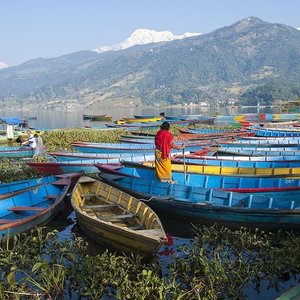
point(97, 117)
point(116, 219)
point(144, 116)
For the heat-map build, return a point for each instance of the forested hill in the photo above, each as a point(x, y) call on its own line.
point(248, 60)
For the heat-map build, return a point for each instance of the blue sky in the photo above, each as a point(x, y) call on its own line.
point(50, 28)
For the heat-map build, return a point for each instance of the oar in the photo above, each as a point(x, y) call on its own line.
point(183, 154)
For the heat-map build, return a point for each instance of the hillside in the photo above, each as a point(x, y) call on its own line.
point(225, 64)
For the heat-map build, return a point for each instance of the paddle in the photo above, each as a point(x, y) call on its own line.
point(183, 154)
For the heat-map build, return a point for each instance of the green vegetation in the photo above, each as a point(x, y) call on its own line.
point(220, 264)
point(270, 93)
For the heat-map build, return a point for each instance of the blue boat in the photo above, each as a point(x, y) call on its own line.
point(122, 148)
point(111, 147)
point(250, 158)
point(7, 189)
point(260, 143)
point(256, 152)
point(15, 152)
point(208, 181)
point(144, 116)
point(34, 206)
point(209, 206)
point(274, 133)
point(69, 156)
point(236, 163)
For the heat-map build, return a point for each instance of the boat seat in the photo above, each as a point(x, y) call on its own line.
point(89, 195)
point(4, 221)
point(138, 227)
point(95, 207)
point(126, 216)
point(26, 208)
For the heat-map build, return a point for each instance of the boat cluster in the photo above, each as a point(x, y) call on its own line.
point(239, 177)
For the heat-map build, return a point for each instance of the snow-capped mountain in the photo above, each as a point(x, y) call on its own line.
point(3, 65)
point(145, 36)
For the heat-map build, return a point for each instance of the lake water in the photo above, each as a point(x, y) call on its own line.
point(63, 118)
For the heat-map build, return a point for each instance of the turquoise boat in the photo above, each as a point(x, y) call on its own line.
point(34, 206)
point(257, 152)
point(274, 133)
point(111, 147)
point(229, 182)
point(69, 156)
point(7, 189)
point(122, 147)
point(209, 206)
point(15, 152)
point(190, 159)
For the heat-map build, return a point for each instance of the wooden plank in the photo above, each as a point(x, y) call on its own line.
point(90, 195)
point(26, 208)
point(116, 217)
point(98, 206)
point(4, 221)
point(139, 227)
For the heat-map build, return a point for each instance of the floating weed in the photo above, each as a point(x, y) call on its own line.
point(220, 263)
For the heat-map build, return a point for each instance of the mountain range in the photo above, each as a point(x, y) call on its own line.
point(250, 60)
point(145, 36)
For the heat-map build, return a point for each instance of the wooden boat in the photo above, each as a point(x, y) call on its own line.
point(111, 148)
point(260, 143)
point(174, 118)
point(256, 152)
point(134, 120)
point(85, 165)
point(279, 117)
point(15, 152)
point(69, 156)
point(6, 189)
point(244, 158)
point(211, 206)
point(144, 116)
point(116, 219)
point(274, 133)
point(291, 294)
point(224, 170)
point(230, 182)
point(196, 160)
point(104, 117)
point(33, 206)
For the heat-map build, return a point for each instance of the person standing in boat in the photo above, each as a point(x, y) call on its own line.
point(163, 145)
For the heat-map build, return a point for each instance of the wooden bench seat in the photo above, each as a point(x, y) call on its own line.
point(100, 206)
point(26, 208)
point(138, 227)
point(111, 217)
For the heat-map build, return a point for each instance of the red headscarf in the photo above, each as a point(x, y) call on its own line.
point(163, 142)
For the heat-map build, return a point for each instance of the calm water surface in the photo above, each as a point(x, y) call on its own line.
point(52, 119)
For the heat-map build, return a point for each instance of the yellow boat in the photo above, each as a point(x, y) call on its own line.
point(217, 170)
point(116, 219)
point(134, 120)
